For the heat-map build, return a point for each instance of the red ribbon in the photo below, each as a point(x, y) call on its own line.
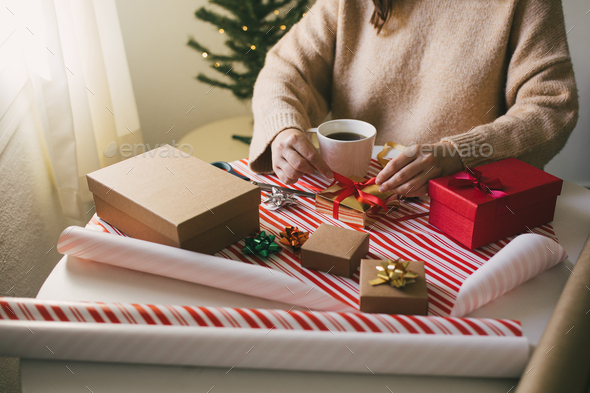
point(350, 187)
point(472, 177)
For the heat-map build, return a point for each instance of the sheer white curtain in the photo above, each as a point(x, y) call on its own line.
point(62, 63)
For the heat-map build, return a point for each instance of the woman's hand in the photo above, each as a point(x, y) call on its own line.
point(408, 173)
point(293, 156)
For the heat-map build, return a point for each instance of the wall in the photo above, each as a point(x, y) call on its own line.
point(573, 163)
point(163, 70)
point(31, 219)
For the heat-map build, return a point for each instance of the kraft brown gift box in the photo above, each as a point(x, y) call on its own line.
point(168, 197)
point(385, 299)
point(335, 250)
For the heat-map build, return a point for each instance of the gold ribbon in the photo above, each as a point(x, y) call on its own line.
point(354, 201)
point(386, 148)
point(395, 273)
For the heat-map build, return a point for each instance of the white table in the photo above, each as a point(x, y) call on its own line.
point(531, 303)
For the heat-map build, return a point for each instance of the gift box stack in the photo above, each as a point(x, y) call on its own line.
point(166, 197)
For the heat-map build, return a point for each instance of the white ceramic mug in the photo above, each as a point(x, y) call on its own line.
point(351, 157)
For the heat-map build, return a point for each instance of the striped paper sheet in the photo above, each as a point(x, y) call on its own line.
point(26, 309)
point(448, 264)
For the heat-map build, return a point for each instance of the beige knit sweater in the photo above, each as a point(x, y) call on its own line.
point(467, 72)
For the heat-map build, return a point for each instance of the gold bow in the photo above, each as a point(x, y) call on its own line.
point(395, 273)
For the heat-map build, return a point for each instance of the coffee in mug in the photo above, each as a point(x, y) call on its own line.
point(346, 145)
point(346, 136)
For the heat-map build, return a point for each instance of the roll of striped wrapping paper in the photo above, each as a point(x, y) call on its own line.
point(261, 338)
point(453, 288)
point(27, 309)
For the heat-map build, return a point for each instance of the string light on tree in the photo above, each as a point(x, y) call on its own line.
point(248, 25)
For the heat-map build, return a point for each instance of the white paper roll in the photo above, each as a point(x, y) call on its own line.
point(519, 261)
point(194, 267)
point(418, 354)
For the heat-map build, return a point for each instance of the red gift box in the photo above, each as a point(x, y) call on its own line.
point(472, 216)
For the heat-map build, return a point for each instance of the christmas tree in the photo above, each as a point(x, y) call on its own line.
point(252, 29)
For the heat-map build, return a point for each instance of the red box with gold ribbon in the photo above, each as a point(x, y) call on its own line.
point(491, 202)
point(355, 200)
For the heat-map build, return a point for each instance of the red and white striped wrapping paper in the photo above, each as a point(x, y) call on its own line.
point(26, 309)
point(448, 264)
point(261, 338)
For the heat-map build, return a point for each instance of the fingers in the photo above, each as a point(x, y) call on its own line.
point(311, 155)
point(418, 185)
point(298, 162)
point(419, 192)
point(395, 165)
point(286, 173)
point(293, 156)
point(281, 175)
point(403, 175)
point(412, 185)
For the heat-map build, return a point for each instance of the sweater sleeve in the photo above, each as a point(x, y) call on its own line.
point(293, 88)
point(541, 95)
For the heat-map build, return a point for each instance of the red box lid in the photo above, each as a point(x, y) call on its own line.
point(523, 183)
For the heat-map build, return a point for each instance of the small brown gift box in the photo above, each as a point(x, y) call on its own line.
point(167, 196)
point(335, 250)
point(385, 299)
point(351, 210)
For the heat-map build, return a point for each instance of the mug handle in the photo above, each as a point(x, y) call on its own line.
point(313, 130)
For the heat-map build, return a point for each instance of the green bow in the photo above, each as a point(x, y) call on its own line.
point(261, 244)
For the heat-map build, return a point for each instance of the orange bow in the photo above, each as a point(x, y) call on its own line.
point(295, 238)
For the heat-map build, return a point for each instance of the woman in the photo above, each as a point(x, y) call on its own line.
point(477, 80)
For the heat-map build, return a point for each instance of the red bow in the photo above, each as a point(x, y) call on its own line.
point(350, 187)
point(472, 177)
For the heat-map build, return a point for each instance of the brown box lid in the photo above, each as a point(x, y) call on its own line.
point(179, 196)
point(385, 299)
point(334, 249)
